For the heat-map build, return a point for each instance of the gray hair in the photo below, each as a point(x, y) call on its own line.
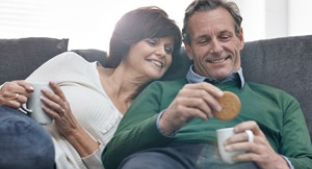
point(208, 5)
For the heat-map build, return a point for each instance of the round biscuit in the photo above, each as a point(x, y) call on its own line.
point(231, 106)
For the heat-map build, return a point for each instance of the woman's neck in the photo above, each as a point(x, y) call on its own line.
point(120, 86)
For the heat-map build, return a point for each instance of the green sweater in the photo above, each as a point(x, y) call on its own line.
point(277, 113)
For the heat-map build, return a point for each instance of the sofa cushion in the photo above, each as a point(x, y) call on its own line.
point(20, 57)
point(92, 55)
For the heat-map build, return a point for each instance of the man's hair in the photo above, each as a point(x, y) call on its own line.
point(138, 24)
point(208, 5)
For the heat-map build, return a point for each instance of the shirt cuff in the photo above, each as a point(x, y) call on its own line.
point(158, 125)
point(288, 162)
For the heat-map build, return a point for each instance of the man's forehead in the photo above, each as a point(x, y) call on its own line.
point(210, 22)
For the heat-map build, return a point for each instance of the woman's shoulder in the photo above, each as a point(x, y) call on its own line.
point(70, 57)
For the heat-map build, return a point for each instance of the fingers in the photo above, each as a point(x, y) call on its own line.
point(57, 90)
point(26, 85)
point(55, 104)
point(57, 97)
point(15, 93)
point(192, 101)
point(249, 125)
point(204, 94)
point(56, 113)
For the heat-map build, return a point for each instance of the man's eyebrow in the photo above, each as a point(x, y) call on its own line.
point(202, 36)
point(225, 31)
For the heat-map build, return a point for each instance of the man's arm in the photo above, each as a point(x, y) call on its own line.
point(293, 142)
point(137, 130)
point(296, 143)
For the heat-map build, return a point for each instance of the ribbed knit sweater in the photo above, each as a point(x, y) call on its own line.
point(95, 112)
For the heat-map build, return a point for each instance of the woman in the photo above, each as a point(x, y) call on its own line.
point(89, 100)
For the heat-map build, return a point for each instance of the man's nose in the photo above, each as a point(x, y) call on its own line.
point(215, 46)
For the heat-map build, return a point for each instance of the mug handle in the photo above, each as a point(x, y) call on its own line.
point(25, 109)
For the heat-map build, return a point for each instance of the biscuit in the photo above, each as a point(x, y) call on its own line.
point(231, 106)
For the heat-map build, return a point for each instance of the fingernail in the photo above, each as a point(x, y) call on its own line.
point(218, 108)
point(227, 148)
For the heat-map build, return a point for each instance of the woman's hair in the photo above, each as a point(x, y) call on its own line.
point(208, 5)
point(139, 24)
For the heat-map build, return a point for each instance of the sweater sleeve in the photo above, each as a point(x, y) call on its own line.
point(137, 130)
point(295, 142)
point(93, 161)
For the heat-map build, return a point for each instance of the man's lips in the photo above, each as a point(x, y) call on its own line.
point(217, 60)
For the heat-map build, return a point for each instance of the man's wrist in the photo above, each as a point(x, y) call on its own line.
point(160, 129)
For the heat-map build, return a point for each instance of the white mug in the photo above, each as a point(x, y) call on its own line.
point(33, 107)
point(222, 135)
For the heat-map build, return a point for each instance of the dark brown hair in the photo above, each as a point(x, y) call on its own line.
point(138, 24)
point(208, 5)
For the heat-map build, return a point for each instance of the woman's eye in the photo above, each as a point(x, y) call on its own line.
point(151, 41)
point(168, 50)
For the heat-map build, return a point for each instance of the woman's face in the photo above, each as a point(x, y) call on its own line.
point(150, 58)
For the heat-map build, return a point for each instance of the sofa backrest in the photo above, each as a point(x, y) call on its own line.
point(284, 63)
point(20, 57)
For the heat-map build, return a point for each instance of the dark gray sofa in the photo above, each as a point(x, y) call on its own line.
point(284, 63)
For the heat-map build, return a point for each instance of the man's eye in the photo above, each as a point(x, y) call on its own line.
point(224, 38)
point(203, 41)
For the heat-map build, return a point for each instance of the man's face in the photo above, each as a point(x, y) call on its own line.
point(215, 48)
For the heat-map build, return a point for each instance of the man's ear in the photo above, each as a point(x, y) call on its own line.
point(241, 38)
point(188, 50)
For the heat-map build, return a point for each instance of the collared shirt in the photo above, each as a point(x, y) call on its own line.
point(193, 77)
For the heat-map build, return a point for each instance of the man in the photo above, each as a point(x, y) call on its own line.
point(170, 125)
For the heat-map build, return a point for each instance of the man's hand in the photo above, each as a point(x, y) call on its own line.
point(259, 151)
point(193, 100)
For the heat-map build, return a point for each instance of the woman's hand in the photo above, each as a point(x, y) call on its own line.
point(15, 93)
point(58, 108)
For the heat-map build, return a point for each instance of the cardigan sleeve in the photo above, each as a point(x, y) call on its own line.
point(93, 161)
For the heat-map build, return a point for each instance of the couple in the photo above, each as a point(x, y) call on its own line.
point(170, 124)
point(89, 100)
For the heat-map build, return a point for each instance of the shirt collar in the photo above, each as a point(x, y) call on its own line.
point(193, 77)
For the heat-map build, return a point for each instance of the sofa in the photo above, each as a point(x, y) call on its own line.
point(283, 63)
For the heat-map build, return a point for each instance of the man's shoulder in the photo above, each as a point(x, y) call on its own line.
point(262, 88)
point(259, 85)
